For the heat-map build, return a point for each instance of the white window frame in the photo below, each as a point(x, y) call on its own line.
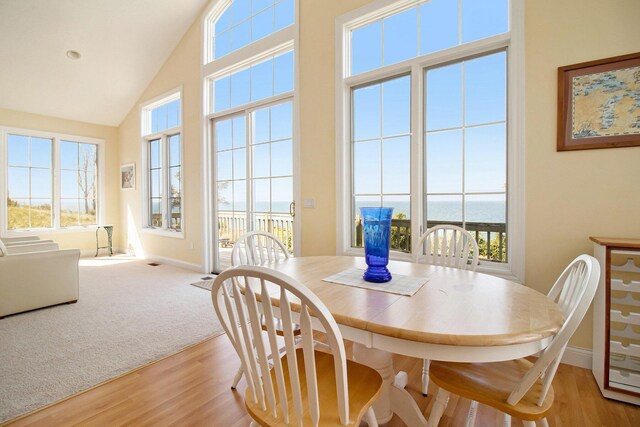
point(147, 137)
point(513, 43)
point(281, 41)
point(55, 168)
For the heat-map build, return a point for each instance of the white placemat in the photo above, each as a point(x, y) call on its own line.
point(399, 284)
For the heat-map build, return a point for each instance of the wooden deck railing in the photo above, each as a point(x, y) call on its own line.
point(233, 225)
point(176, 220)
point(491, 237)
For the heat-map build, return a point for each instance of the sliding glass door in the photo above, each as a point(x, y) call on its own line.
point(254, 176)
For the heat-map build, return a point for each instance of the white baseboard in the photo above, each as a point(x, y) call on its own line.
point(101, 252)
point(579, 357)
point(176, 263)
point(151, 257)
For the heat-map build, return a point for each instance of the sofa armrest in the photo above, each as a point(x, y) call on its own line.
point(34, 247)
point(38, 279)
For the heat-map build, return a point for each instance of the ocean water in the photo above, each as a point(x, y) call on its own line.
point(475, 210)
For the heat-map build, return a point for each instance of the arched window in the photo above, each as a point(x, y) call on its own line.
point(239, 23)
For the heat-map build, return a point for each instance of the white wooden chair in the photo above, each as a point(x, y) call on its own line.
point(255, 248)
point(305, 386)
point(258, 247)
point(450, 246)
point(520, 388)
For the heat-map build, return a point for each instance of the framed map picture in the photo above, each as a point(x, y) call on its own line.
point(599, 104)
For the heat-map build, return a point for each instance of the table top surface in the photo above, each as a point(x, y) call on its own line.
point(621, 242)
point(455, 307)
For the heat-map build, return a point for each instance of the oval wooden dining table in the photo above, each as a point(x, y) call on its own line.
point(457, 315)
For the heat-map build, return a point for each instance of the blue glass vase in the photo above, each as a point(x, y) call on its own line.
point(377, 230)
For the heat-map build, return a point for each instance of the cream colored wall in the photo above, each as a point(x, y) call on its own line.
point(317, 69)
point(182, 68)
point(572, 195)
point(84, 240)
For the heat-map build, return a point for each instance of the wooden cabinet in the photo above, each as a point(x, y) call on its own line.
point(616, 319)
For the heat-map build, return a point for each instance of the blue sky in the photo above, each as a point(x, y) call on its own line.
point(465, 138)
point(425, 29)
point(465, 107)
point(272, 150)
point(271, 77)
point(247, 21)
point(30, 169)
point(381, 124)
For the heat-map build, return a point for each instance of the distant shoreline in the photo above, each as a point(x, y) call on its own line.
point(476, 210)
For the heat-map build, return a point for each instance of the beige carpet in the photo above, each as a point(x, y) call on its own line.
point(128, 314)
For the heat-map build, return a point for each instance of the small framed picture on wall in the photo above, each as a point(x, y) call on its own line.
point(128, 176)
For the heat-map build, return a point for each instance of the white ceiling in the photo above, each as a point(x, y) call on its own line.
point(123, 44)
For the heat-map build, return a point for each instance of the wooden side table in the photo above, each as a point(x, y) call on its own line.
point(109, 230)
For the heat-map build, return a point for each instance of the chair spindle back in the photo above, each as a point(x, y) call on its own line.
point(239, 309)
point(449, 246)
point(573, 292)
point(258, 247)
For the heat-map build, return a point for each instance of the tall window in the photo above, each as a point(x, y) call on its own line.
point(78, 183)
point(52, 181)
point(162, 139)
point(30, 182)
point(465, 149)
point(250, 91)
point(426, 89)
point(381, 152)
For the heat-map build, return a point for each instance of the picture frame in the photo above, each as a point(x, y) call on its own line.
point(596, 104)
point(128, 176)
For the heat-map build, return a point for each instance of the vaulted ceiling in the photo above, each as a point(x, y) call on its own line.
point(122, 43)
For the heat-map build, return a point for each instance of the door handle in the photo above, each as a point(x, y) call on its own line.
point(292, 209)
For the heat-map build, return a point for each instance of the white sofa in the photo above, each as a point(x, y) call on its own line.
point(19, 239)
point(36, 275)
point(26, 240)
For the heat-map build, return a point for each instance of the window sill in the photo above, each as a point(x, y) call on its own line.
point(164, 232)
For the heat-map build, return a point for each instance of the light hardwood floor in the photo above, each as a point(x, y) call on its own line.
point(192, 388)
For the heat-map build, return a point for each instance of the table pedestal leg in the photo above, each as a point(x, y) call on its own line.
point(394, 398)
